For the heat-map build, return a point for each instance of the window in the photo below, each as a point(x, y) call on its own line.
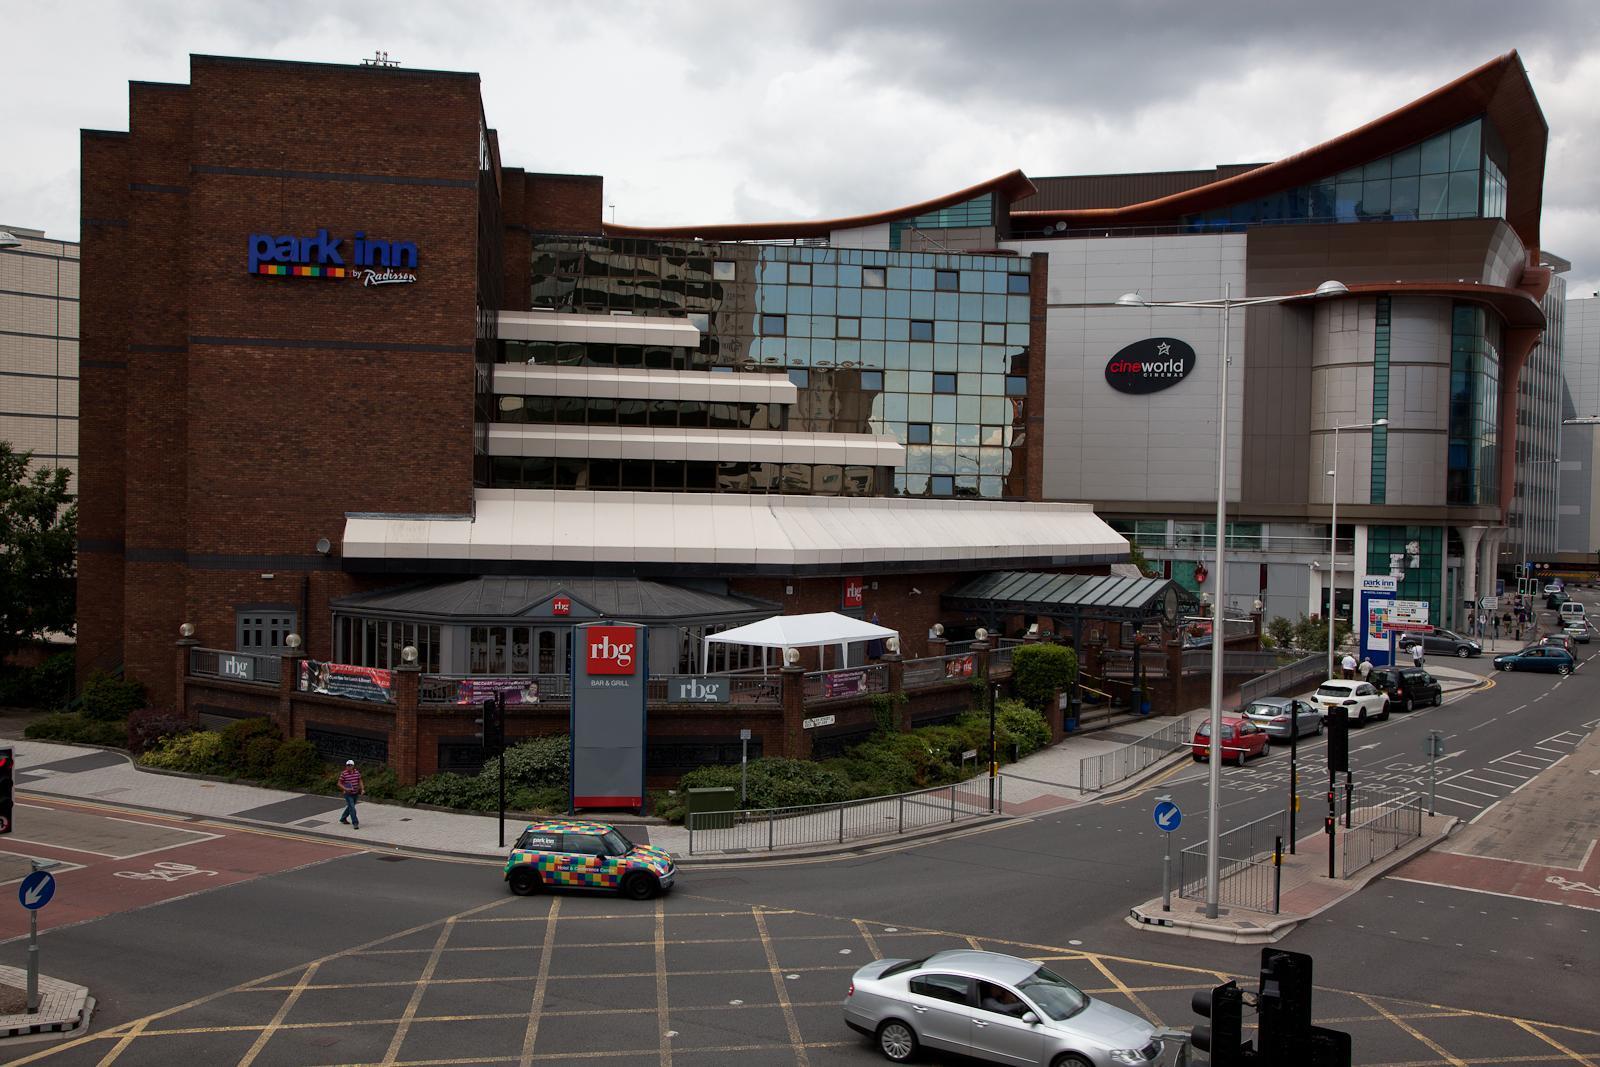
point(948, 987)
point(263, 630)
point(774, 325)
point(801, 378)
point(921, 330)
point(849, 327)
point(1016, 385)
point(872, 380)
point(1000, 1000)
point(1017, 284)
point(724, 270)
point(873, 277)
point(944, 383)
point(947, 281)
point(582, 845)
point(918, 433)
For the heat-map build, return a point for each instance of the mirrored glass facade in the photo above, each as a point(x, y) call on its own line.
point(1473, 467)
point(931, 349)
point(1457, 174)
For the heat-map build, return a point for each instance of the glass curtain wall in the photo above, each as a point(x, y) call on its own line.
point(1473, 469)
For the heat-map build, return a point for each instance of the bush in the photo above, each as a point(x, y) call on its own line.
point(380, 781)
point(296, 765)
point(149, 725)
point(48, 685)
point(198, 752)
point(1281, 630)
point(1037, 671)
point(450, 790)
point(774, 782)
point(1021, 726)
point(540, 763)
point(108, 699)
point(1311, 634)
point(886, 709)
point(545, 801)
point(260, 755)
point(237, 736)
point(77, 729)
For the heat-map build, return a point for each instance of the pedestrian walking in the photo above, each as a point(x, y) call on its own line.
point(1348, 664)
point(351, 786)
point(1416, 653)
point(1497, 627)
point(1364, 668)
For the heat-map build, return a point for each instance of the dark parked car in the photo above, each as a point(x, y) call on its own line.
point(1537, 658)
point(1408, 688)
point(1451, 644)
point(1561, 640)
point(1556, 599)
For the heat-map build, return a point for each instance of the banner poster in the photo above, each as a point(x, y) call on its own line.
point(958, 667)
point(477, 690)
point(844, 683)
point(344, 680)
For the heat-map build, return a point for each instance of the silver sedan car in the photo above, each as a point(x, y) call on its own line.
point(1275, 714)
point(993, 1007)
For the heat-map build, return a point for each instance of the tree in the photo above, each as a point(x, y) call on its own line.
point(1137, 557)
point(38, 559)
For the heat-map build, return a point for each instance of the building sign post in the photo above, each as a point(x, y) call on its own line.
point(609, 691)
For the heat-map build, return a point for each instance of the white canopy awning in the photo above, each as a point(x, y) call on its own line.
point(801, 631)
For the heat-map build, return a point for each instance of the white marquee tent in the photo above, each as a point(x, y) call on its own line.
point(799, 631)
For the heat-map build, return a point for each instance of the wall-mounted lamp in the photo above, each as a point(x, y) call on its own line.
point(981, 634)
point(791, 657)
point(324, 546)
point(294, 642)
point(408, 655)
point(938, 629)
point(892, 646)
point(186, 630)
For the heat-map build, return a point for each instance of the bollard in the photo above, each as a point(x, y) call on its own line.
point(1277, 874)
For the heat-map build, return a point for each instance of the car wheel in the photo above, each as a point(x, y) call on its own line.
point(525, 880)
point(1564, 669)
point(1407, 706)
point(1505, 666)
point(1319, 727)
point(897, 1041)
point(1069, 1060)
point(1361, 720)
point(639, 886)
point(1463, 652)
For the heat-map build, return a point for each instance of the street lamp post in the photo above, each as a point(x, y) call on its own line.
point(1226, 305)
point(1333, 532)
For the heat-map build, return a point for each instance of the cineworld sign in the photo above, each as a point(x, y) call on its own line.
point(372, 260)
point(1150, 366)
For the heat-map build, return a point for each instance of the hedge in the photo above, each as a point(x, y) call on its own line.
point(1038, 671)
point(77, 729)
point(48, 685)
point(108, 699)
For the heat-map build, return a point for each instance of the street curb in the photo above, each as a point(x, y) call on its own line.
point(1276, 929)
point(860, 848)
point(78, 1006)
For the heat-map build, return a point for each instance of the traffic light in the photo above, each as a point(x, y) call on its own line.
point(494, 724)
point(1284, 1006)
point(8, 766)
point(1338, 739)
point(1224, 1038)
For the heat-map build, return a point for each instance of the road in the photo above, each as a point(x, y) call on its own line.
point(309, 953)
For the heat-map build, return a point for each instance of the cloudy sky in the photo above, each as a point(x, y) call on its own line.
point(719, 111)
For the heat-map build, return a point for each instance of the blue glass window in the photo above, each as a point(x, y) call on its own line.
point(944, 383)
point(774, 325)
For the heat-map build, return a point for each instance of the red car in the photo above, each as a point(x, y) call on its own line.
point(1241, 739)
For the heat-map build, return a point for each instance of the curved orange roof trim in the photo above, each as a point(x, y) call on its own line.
point(1499, 89)
point(1013, 184)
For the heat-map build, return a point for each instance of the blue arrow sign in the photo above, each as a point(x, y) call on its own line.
point(1168, 817)
point(36, 890)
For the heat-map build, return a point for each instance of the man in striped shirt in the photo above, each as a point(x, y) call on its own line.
point(350, 785)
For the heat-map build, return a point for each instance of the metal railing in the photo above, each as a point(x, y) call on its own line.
point(1249, 866)
point(1284, 679)
point(1000, 660)
point(846, 682)
point(250, 668)
point(934, 669)
point(448, 688)
point(1109, 768)
point(1387, 828)
point(766, 829)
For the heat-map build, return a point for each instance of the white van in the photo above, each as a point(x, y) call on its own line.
point(1571, 610)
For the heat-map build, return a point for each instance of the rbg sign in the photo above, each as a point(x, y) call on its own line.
point(698, 689)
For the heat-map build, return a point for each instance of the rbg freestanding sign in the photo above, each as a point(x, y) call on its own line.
point(609, 691)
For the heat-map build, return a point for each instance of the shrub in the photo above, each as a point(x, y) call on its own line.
point(1037, 671)
point(260, 754)
point(149, 725)
point(1021, 726)
point(775, 782)
point(546, 801)
point(48, 685)
point(1281, 630)
point(540, 763)
point(451, 790)
point(198, 752)
point(77, 729)
point(237, 736)
point(296, 765)
point(108, 699)
point(380, 781)
point(886, 709)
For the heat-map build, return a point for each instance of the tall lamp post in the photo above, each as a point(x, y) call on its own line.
point(1333, 532)
point(1226, 305)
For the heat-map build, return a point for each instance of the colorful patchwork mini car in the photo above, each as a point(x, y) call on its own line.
point(586, 855)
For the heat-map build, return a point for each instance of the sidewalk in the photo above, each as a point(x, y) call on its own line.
point(1307, 890)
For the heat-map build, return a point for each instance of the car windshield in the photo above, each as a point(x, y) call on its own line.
point(1268, 710)
point(1333, 691)
point(1054, 995)
point(616, 844)
point(1205, 730)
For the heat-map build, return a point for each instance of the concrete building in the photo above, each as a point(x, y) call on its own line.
point(1579, 531)
point(39, 346)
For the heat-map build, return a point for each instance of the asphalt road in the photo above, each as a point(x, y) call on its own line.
point(350, 957)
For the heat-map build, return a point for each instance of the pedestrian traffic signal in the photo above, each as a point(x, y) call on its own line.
point(7, 785)
point(1338, 739)
point(494, 724)
point(1224, 1037)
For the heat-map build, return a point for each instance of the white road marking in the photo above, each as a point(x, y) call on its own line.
point(1465, 789)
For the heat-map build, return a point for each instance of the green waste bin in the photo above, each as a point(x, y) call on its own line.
point(712, 807)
